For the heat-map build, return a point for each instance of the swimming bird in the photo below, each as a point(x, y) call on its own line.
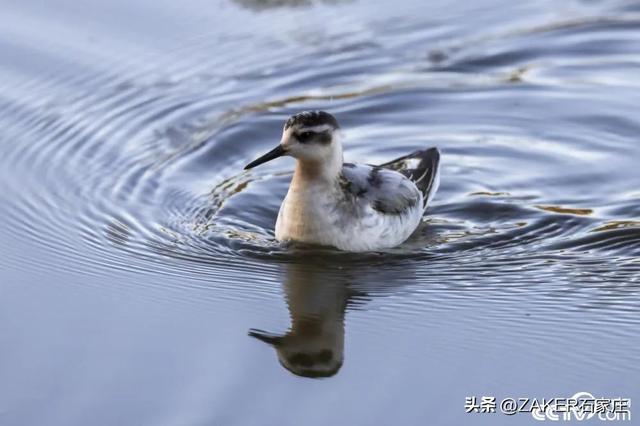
point(353, 207)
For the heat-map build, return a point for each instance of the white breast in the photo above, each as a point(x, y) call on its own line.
point(321, 215)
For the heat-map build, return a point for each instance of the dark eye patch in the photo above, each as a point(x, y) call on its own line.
point(305, 137)
point(309, 136)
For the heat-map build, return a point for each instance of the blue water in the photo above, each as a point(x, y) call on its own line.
point(137, 256)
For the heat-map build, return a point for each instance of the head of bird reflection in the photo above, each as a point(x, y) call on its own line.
point(313, 352)
point(311, 137)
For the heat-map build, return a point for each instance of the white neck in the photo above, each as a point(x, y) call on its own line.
point(326, 170)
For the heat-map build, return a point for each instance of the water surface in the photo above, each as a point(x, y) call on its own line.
point(141, 282)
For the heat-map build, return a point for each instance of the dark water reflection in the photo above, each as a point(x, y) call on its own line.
point(317, 302)
point(137, 255)
point(259, 5)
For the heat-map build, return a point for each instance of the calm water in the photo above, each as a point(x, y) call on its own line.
point(138, 259)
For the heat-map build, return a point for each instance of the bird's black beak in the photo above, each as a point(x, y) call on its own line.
point(265, 336)
point(278, 151)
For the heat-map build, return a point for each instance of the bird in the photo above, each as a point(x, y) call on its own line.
point(352, 207)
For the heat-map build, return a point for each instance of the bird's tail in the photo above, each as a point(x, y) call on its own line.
point(423, 168)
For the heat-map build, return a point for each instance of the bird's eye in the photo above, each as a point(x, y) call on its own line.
point(305, 136)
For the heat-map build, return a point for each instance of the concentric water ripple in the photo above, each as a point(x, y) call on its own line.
point(154, 169)
point(123, 153)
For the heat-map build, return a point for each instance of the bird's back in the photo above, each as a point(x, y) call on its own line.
point(422, 168)
point(385, 191)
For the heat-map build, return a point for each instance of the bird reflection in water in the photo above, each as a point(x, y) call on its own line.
point(317, 299)
point(260, 5)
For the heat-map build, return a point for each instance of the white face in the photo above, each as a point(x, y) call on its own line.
point(308, 142)
point(316, 143)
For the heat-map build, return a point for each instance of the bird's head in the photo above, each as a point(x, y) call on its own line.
point(311, 137)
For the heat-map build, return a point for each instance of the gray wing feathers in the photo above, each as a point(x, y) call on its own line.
point(385, 190)
point(422, 168)
point(396, 194)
